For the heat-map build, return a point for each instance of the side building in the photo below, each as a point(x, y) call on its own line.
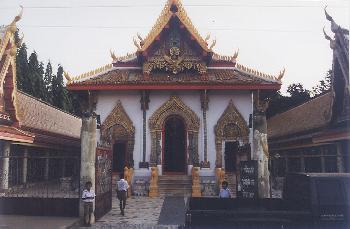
point(39, 146)
point(315, 136)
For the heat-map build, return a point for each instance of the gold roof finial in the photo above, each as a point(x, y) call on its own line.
point(207, 37)
point(113, 56)
point(12, 26)
point(67, 76)
point(236, 54)
point(142, 41)
point(137, 44)
point(213, 44)
point(280, 76)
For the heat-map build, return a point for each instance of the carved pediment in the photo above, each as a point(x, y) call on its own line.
point(175, 53)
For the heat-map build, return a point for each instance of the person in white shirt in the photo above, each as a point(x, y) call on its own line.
point(225, 191)
point(88, 197)
point(122, 189)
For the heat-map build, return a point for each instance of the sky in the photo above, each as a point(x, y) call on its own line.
point(270, 35)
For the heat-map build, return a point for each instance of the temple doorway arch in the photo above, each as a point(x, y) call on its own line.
point(118, 131)
point(174, 112)
point(231, 132)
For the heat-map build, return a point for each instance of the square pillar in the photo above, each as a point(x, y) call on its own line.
point(25, 166)
point(47, 164)
point(6, 147)
point(88, 158)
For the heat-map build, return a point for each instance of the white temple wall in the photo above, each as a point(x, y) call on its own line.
point(218, 101)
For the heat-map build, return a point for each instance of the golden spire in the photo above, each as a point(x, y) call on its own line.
point(236, 54)
point(113, 56)
point(67, 76)
point(212, 45)
point(12, 26)
point(280, 76)
point(137, 44)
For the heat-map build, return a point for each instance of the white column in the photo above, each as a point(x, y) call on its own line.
point(25, 166)
point(5, 165)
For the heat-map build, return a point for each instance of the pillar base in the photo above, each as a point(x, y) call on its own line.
point(153, 191)
point(196, 191)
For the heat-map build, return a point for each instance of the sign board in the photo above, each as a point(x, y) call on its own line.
point(249, 179)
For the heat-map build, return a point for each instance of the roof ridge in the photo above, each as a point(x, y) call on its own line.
point(257, 73)
point(89, 74)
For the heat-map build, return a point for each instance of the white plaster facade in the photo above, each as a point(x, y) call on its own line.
point(218, 101)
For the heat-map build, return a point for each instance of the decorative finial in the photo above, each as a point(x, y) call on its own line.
point(280, 76)
point(207, 37)
point(236, 54)
point(12, 26)
point(136, 44)
point(326, 35)
point(113, 56)
point(329, 18)
point(142, 41)
point(67, 76)
point(212, 45)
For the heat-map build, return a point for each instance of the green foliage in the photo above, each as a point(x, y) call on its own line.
point(34, 79)
point(297, 96)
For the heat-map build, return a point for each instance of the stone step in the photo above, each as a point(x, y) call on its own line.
point(175, 178)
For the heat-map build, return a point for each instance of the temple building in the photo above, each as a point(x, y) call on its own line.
point(39, 146)
point(319, 139)
point(178, 115)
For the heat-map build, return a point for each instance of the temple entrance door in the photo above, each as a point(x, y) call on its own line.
point(119, 157)
point(231, 150)
point(174, 154)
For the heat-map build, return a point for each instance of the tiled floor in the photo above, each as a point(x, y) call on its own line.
point(140, 212)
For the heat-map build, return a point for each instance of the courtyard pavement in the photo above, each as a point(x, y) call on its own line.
point(145, 213)
point(34, 222)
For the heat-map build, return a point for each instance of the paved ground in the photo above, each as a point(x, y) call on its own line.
point(34, 222)
point(140, 212)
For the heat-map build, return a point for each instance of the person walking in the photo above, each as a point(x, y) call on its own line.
point(88, 197)
point(122, 190)
point(225, 191)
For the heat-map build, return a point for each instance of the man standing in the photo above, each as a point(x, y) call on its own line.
point(122, 190)
point(88, 197)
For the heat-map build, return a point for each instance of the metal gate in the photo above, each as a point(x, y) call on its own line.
point(45, 184)
point(103, 181)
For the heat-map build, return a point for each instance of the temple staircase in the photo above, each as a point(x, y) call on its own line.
point(230, 177)
point(175, 185)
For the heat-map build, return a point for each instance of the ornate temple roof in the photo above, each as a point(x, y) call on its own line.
point(24, 118)
point(173, 54)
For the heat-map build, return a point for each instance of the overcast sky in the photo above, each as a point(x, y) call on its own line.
point(270, 35)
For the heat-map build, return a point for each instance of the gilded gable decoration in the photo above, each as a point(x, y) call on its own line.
point(174, 106)
point(119, 127)
point(174, 63)
point(230, 126)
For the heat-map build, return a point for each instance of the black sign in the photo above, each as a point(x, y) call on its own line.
point(249, 179)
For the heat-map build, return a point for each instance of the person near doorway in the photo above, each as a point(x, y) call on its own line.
point(88, 197)
point(225, 191)
point(122, 190)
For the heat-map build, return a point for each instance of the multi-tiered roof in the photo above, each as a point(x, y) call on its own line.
point(174, 56)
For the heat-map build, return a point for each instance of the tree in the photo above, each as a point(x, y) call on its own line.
point(280, 103)
point(23, 82)
point(324, 85)
point(35, 75)
point(48, 82)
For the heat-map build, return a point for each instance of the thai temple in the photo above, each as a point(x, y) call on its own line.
point(174, 115)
